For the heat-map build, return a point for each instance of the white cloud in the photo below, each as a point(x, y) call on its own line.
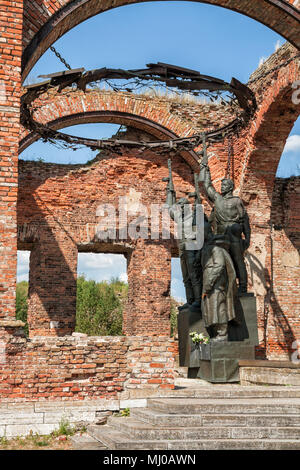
point(289, 164)
point(123, 277)
point(261, 61)
point(23, 266)
point(177, 289)
point(292, 144)
point(277, 45)
point(101, 266)
point(95, 260)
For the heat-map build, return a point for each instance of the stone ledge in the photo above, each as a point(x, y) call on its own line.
point(270, 375)
point(11, 324)
point(272, 364)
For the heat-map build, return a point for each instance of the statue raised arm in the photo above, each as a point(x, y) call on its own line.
point(229, 217)
point(183, 212)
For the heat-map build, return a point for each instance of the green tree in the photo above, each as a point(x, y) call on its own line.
point(100, 306)
point(99, 310)
point(21, 303)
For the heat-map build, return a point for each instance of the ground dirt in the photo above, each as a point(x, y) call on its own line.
point(36, 442)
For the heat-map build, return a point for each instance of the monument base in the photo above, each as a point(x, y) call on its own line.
point(222, 363)
point(218, 362)
point(187, 322)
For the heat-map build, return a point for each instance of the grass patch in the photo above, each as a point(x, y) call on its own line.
point(123, 413)
point(57, 440)
point(64, 429)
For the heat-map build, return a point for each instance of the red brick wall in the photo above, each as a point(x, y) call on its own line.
point(255, 155)
point(284, 322)
point(10, 68)
point(274, 271)
point(57, 216)
point(73, 368)
point(264, 143)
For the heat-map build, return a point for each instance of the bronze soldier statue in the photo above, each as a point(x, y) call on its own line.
point(229, 217)
point(219, 285)
point(183, 211)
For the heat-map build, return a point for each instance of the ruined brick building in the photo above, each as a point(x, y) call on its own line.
point(51, 210)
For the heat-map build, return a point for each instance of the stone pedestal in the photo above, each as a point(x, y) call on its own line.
point(270, 372)
point(223, 362)
point(187, 322)
point(219, 362)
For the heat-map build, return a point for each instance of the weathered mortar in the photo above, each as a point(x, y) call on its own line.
point(71, 367)
point(256, 154)
point(57, 209)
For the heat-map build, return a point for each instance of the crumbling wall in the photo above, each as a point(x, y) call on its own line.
point(59, 214)
point(80, 367)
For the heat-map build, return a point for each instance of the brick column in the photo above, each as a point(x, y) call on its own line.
point(149, 280)
point(11, 19)
point(52, 285)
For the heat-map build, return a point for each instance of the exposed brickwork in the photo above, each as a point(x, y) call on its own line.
point(285, 214)
point(10, 68)
point(88, 367)
point(45, 21)
point(161, 117)
point(57, 209)
point(285, 326)
point(58, 203)
point(73, 107)
point(256, 153)
point(274, 269)
point(264, 143)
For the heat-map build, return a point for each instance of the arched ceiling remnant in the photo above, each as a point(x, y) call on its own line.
point(240, 98)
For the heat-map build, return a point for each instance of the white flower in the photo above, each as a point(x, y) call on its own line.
point(199, 338)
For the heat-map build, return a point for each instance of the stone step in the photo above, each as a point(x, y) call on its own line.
point(86, 442)
point(135, 429)
point(235, 444)
point(115, 440)
point(225, 406)
point(188, 388)
point(158, 418)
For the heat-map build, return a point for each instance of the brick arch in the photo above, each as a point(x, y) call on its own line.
point(274, 120)
point(154, 117)
point(45, 21)
point(270, 278)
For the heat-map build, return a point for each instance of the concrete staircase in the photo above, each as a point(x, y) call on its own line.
point(215, 417)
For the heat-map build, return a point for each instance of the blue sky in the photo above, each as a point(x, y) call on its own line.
point(206, 38)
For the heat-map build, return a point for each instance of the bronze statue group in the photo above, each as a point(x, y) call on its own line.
point(210, 274)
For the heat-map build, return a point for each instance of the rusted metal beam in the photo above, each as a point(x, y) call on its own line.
point(183, 79)
point(64, 72)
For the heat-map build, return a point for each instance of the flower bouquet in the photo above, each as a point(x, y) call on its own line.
point(200, 348)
